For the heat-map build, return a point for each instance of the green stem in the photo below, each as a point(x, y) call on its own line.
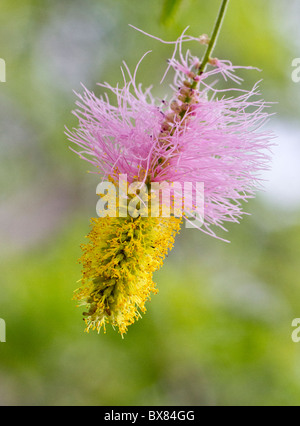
point(214, 37)
point(209, 50)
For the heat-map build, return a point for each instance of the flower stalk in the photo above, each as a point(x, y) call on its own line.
point(214, 37)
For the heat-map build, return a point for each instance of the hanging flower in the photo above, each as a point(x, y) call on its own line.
point(202, 134)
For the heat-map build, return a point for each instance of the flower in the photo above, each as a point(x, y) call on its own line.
point(202, 134)
point(118, 263)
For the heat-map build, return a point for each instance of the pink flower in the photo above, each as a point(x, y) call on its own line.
point(201, 135)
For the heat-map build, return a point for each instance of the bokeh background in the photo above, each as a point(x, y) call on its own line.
point(219, 332)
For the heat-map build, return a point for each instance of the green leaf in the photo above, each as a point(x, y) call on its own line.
point(169, 10)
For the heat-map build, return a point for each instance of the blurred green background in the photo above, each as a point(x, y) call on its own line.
point(219, 332)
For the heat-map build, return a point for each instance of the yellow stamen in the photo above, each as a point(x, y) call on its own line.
point(118, 264)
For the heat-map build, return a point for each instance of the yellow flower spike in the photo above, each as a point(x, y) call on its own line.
point(118, 264)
